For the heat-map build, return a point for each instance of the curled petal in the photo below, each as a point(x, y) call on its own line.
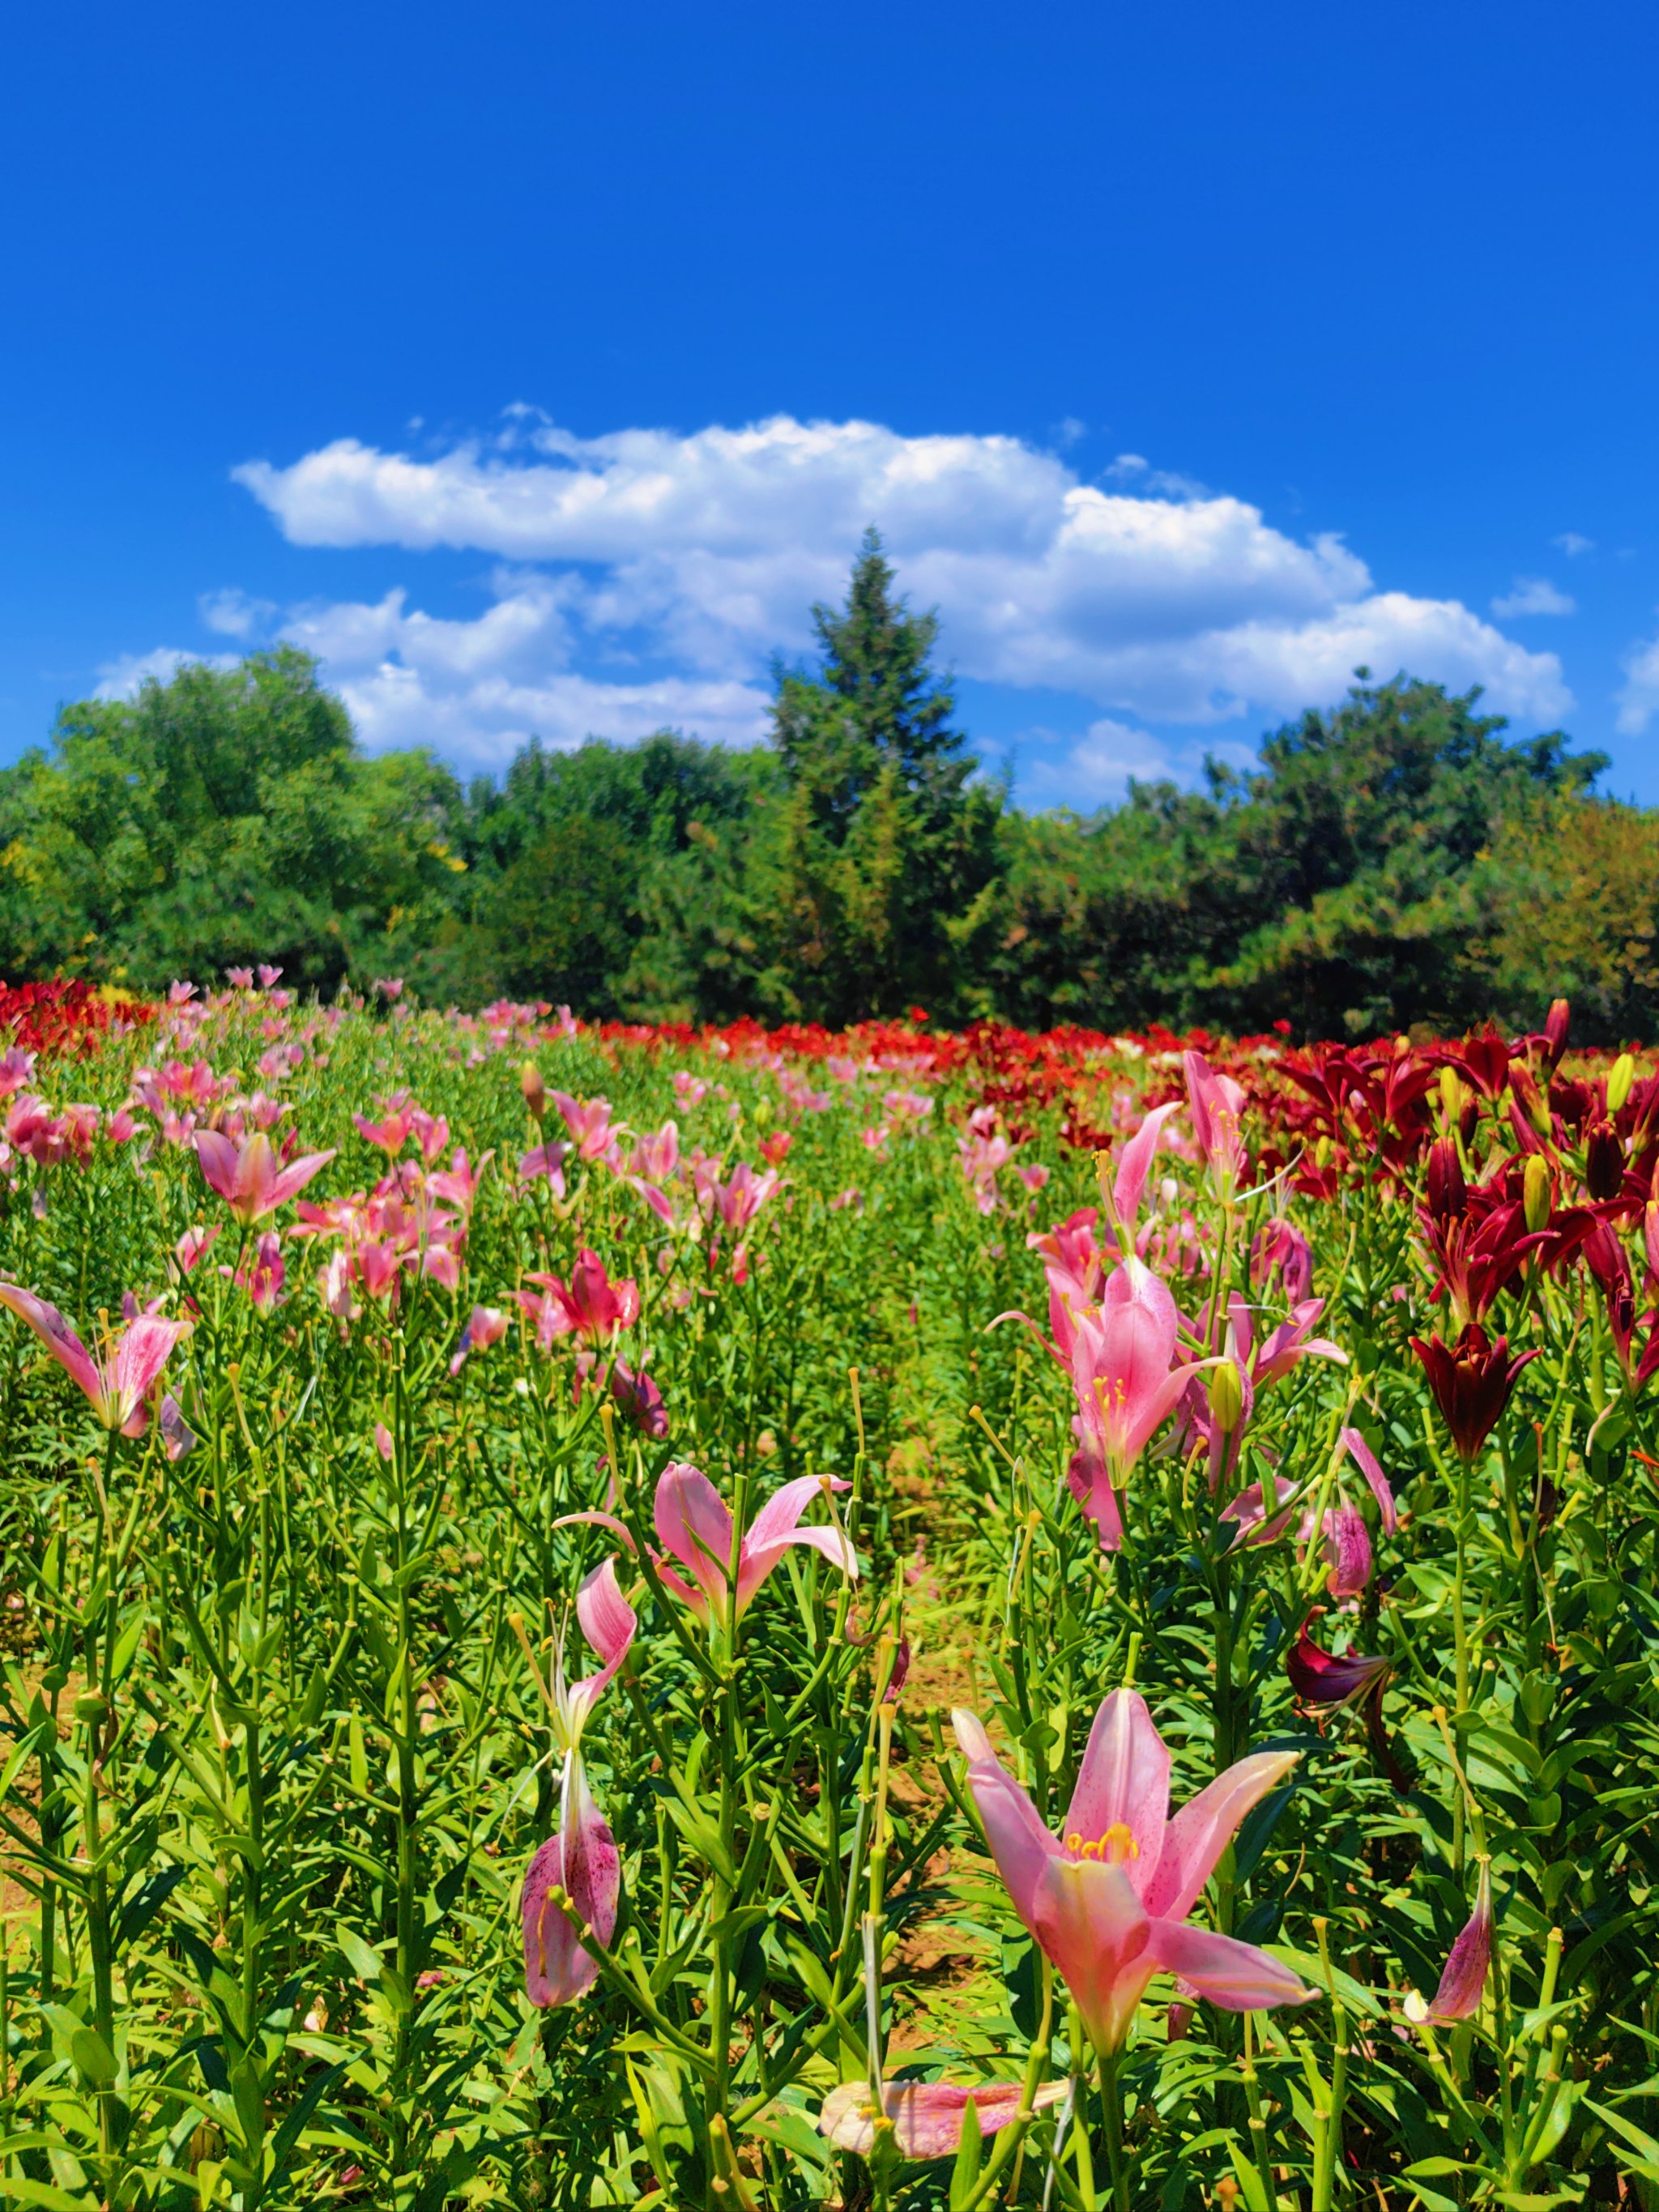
point(694, 1525)
point(1366, 1461)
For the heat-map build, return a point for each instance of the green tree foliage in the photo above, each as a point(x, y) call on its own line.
point(1396, 860)
point(220, 818)
point(882, 845)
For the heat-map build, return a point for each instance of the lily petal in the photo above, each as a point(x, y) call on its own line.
point(926, 2116)
point(1204, 1827)
point(1124, 1783)
point(1235, 1976)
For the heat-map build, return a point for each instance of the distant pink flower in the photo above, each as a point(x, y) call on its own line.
point(248, 1178)
point(1108, 1898)
point(1281, 1244)
point(590, 1306)
point(117, 1385)
point(16, 1068)
point(191, 1246)
point(267, 975)
point(546, 1160)
point(695, 1526)
point(589, 1124)
point(240, 979)
point(656, 1157)
point(262, 1273)
point(391, 988)
point(1218, 1110)
point(383, 1443)
point(177, 1438)
point(390, 1133)
point(180, 995)
point(640, 1398)
point(487, 1326)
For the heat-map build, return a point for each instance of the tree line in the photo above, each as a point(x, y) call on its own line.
point(1395, 860)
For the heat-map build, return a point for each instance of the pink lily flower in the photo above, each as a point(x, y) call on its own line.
point(1125, 1384)
point(582, 1859)
point(589, 1124)
point(267, 975)
point(459, 1183)
point(589, 1306)
point(1128, 1189)
point(1217, 1107)
point(247, 1178)
point(486, 1326)
point(694, 1525)
point(1108, 1901)
point(240, 979)
point(390, 1135)
point(656, 1157)
point(263, 1273)
point(925, 2116)
point(545, 1160)
point(1464, 1982)
point(118, 1384)
point(640, 1400)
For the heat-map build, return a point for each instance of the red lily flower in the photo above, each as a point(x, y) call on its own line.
point(1471, 1381)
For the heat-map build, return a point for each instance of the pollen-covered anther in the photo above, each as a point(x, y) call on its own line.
point(1112, 1849)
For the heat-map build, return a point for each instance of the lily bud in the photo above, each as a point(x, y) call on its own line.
point(1530, 1099)
point(1451, 1093)
point(1226, 1397)
point(1604, 1161)
point(1651, 1234)
point(1619, 1082)
point(1555, 1028)
point(1447, 1192)
point(1536, 1193)
point(534, 1090)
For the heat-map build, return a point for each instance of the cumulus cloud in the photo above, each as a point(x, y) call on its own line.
point(124, 678)
point(1638, 697)
point(476, 691)
point(1534, 595)
point(1572, 544)
point(232, 613)
point(650, 568)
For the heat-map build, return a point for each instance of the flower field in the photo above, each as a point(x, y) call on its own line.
point(668, 1618)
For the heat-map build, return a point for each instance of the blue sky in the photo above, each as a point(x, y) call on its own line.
point(538, 365)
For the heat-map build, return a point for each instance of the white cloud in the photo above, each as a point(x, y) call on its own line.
point(1572, 544)
point(124, 678)
point(232, 613)
point(1534, 595)
point(669, 568)
point(1097, 767)
point(477, 690)
point(1638, 697)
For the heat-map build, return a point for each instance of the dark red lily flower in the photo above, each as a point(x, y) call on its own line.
point(1471, 1381)
point(1325, 1682)
point(1479, 1252)
point(1484, 1061)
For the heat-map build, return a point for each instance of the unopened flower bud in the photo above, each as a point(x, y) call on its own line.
point(1619, 1082)
point(534, 1090)
point(1226, 1397)
point(1651, 1234)
point(1530, 1099)
point(1555, 1028)
point(1451, 1093)
point(1447, 1192)
point(1604, 1162)
point(1535, 1193)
